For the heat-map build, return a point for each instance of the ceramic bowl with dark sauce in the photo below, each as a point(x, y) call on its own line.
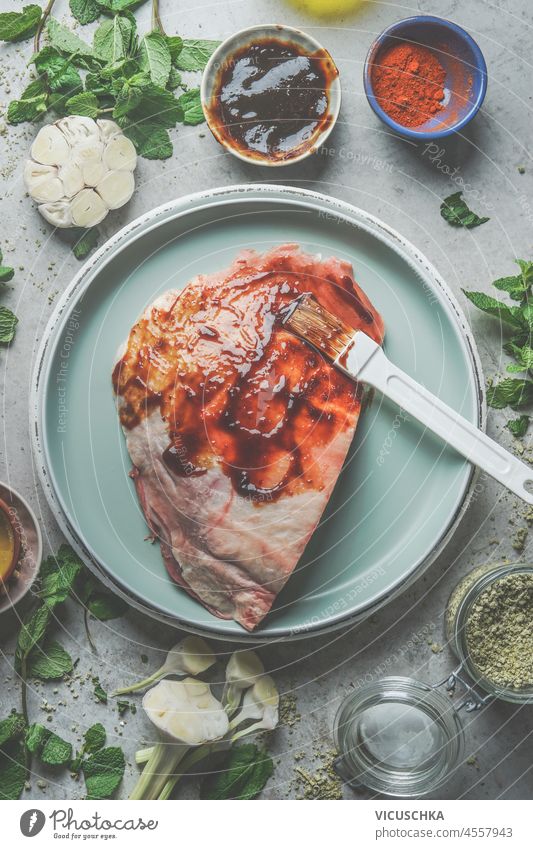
point(21, 547)
point(271, 95)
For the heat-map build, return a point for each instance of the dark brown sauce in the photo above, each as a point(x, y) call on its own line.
point(233, 385)
point(271, 99)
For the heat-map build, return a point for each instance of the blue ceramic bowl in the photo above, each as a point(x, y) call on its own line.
point(466, 74)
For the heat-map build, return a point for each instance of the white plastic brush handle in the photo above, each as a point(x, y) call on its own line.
point(366, 361)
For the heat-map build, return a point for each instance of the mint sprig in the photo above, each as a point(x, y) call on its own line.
point(513, 392)
point(456, 212)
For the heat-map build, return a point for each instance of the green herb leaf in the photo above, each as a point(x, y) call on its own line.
point(49, 662)
point(519, 426)
point(113, 6)
point(175, 44)
point(99, 691)
point(6, 272)
point(174, 79)
point(48, 747)
point(58, 575)
point(85, 11)
point(16, 26)
point(58, 71)
point(85, 103)
point(87, 240)
point(12, 728)
point(510, 392)
point(32, 631)
point(492, 306)
point(103, 772)
point(150, 139)
point(66, 41)
point(114, 39)
point(195, 54)
point(31, 106)
point(94, 738)
point(155, 58)
point(12, 769)
point(157, 106)
point(104, 606)
point(242, 776)
point(192, 107)
point(455, 211)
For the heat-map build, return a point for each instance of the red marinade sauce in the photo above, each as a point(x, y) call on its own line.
point(271, 99)
point(233, 385)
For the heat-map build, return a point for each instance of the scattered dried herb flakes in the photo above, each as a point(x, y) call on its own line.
point(288, 713)
point(321, 783)
point(499, 631)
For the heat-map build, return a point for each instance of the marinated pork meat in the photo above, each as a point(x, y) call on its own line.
point(237, 430)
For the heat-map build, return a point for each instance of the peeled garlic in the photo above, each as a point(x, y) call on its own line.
point(80, 169)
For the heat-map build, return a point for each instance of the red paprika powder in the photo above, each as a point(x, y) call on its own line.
point(408, 82)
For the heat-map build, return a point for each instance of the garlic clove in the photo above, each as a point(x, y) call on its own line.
point(120, 154)
point(59, 214)
point(116, 188)
point(107, 128)
point(50, 146)
point(47, 191)
point(88, 208)
point(93, 172)
point(78, 129)
point(87, 152)
point(41, 182)
point(72, 179)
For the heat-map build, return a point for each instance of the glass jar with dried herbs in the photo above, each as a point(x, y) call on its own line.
point(489, 623)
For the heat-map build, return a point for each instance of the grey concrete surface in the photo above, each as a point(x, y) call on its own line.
point(396, 181)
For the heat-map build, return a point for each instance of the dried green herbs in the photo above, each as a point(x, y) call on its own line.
point(499, 631)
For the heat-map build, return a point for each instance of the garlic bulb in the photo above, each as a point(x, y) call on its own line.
point(80, 169)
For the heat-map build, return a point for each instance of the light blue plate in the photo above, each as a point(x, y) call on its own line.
point(401, 492)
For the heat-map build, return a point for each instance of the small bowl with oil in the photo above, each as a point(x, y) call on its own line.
point(271, 95)
point(20, 547)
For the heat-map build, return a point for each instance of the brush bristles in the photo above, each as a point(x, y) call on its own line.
point(309, 320)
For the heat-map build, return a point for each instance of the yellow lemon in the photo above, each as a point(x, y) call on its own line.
point(328, 8)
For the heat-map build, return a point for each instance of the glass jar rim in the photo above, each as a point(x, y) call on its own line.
point(481, 583)
point(429, 700)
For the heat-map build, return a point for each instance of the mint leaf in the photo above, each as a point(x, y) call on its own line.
point(157, 105)
point(519, 426)
point(6, 272)
point(155, 59)
point(32, 632)
point(455, 211)
point(113, 6)
point(103, 772)
point(104, 606)
point(57, 70)
point(66, 41)
point(12, 728)
point(195, 54)
point(12, 769)
point(150, 139)
point(8, 324)
point(58, 575)
point(36, 737)
point(48, 747)
point(99, 691)
point(94, 738)
point(114, 39)
point(494, 307)
point(192, 107)
point(510, 392)
point(16, 26)
point(85, 103)
point(174, 44)
point(31, 106)
point(49, 662)
point(174, 79)
point(85, 11)
point(242, 776)
point(87, 240)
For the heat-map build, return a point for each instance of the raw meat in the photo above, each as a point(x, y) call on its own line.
point(238, 430)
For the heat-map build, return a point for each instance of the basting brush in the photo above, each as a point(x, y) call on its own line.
point(362, 359)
